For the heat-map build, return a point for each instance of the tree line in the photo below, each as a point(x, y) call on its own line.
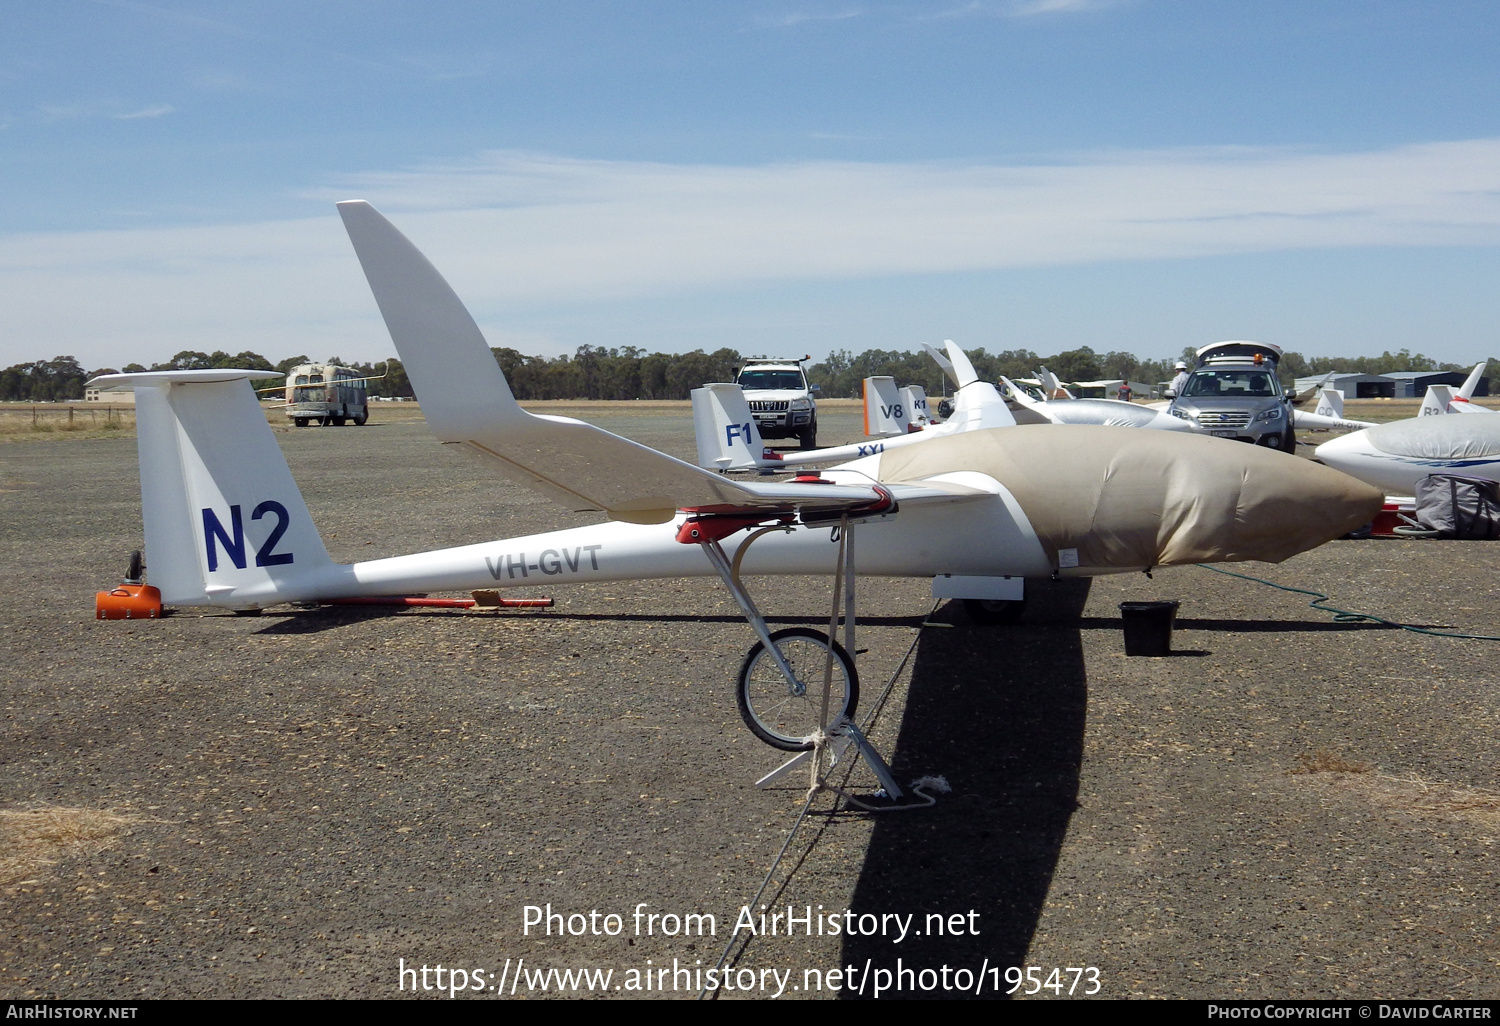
point(631, 373)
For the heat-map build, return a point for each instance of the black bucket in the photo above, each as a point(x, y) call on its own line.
point(1148, 627)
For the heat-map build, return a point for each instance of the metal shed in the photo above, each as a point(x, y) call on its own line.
point(1355, 386)
point(1413, 384)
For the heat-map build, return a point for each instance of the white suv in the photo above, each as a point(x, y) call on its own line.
point(781, 400)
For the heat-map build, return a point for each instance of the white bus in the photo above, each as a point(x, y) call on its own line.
point(327, 394)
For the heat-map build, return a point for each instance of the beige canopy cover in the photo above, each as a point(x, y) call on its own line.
point(1124, 498)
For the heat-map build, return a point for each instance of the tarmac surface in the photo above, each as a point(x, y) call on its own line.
point(305, 803)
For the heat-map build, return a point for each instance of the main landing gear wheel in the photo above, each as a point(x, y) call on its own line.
point(995, 613)
point(769, 705)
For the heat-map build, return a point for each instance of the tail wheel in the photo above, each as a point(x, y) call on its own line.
point(995, 613)
point(786, 716)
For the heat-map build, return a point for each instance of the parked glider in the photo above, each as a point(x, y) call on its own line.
point(977, 511)
point(1394, 457)
point(1441, 399)
point(728, 439)
point(1328, 415)
point(1103, 412)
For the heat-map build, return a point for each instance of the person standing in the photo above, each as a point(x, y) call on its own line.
point(1180, 381)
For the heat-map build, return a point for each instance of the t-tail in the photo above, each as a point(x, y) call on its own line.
point(1330, 403)
point(1437, 402)
point(915, 397)
point(1328, 416)
point(887, 412)
point(1442, 399)
point(727, 436)
point(225, 523)
point(1052, 386)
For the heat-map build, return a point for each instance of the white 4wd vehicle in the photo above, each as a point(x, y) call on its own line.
point(781, 400)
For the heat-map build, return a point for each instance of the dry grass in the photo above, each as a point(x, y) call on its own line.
point(20, 423)
point(34, 839)
point(1412, 794)
point(1324, 761)
point(1478, 806)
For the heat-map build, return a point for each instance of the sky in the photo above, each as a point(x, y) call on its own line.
point(782, 178)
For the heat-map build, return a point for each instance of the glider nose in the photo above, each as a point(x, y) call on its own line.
point(1227, 502)
point(1338, 452)
point(1102, 500)
point(1287, 506)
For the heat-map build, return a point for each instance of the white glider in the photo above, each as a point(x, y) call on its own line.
point(1394, 457)
point(728, 439)
point(1103, 412)
point(977, 511)
point(1328, 415)
point(1442, 399)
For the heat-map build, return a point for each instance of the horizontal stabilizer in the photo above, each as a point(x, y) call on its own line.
point(225, 522)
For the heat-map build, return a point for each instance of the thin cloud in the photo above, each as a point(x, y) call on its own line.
point(50, 113)
point(1029, 8)
point(156, 111)
point(527, 231)
point(1016, 9)
point(793, 18)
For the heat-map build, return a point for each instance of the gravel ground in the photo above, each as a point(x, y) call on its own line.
point(301, 803)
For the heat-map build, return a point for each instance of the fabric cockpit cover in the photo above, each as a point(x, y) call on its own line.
point(1438, 438)
point(1126, 499)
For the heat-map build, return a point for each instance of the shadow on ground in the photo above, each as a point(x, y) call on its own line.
point(1000, 712)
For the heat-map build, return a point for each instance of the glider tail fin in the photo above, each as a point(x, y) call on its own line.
point(1436, 401)
point(1024, 399)
point(915, 397)
point(1053, 387)
point(727, 436)
point(225, 523)
point(1330, 403)
point(886, 413)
